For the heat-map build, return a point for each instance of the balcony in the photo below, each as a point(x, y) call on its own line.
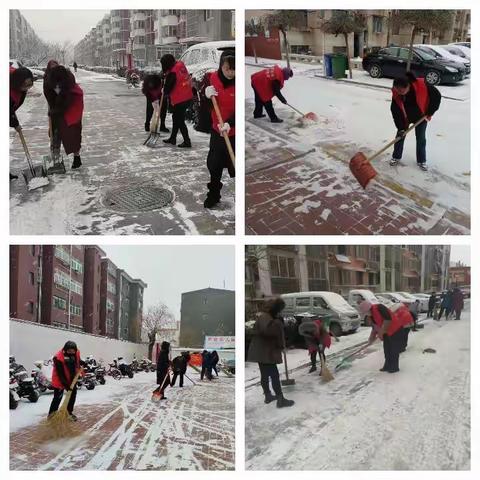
point(169, 21)
point(139, 32)
point(138, 16)
point(166, 40)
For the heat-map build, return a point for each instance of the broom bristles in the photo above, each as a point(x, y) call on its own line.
point(327, 374)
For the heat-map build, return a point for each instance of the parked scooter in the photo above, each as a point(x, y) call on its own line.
point(25, 385)
point(41, 380)
point(125, 368)
point(98, 373)
point(14, 398)
point(87, 380)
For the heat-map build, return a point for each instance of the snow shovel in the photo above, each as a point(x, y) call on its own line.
point(288, 381)
point(35, 176)
point(59, 424)
point(326, 374)
point(55, 158)
point(231, 153)
point(348, 357)
point(154, 135)
point(309, 115)
point(361, 166)
point(156, 395)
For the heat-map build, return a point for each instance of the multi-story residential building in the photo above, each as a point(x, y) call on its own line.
point(459, 276)
point(210, 311)
point(208, 26)
point(120, 28)
point(77, 288)
point(169, 27)
point(22, 37)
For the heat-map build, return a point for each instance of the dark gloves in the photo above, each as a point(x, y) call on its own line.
point(401, 133)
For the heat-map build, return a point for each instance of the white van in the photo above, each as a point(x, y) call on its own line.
point(344, 318)
point(356, 297)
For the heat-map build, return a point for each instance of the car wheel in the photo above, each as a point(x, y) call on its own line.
point(432, 77)
point(335, 329)
point(375, 71)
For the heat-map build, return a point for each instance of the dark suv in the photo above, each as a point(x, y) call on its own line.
point(392, 62)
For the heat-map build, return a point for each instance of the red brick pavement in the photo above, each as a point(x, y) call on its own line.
point(192, 430)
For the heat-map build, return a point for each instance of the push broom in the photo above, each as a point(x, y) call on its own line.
point(361, 166)
point(326, 374)
point(59, 424)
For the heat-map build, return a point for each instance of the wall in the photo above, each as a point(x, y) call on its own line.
point(30, 342)
point(264, 47)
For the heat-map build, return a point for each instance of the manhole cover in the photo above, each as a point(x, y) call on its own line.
point(144, 198)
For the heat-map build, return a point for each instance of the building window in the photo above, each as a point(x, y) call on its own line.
point(31, 278)
point(342, 249)
point(75, 309)
point(316, 270)
point(204, 317)
point(62, 255)
point(207, 15)
point(205, 300)
point(30, 307)
point(170, 31)
point(283, 267)
point(61, 279)
point(359, 278)
point(377, 24)
point(77, 266)
point(111, 288)
point(110, 306)
point(59, 302)
point(76, 287)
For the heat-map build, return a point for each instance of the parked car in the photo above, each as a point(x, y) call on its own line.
point(37, 73)
point(442, 53)
point(344, 318)
point(395, 297)
point(463, 44)
point(201, 59)
point(459, 50)
point(465, 291)
point(392, 62)
point(355, 297)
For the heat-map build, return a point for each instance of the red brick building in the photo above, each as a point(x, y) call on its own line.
point(77, 288)
point(459, 276)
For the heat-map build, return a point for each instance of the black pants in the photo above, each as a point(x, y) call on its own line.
point(214, 368)
point(218, 159)
point(174, 379)
point(178, 119)
point(163, 113)
point(458, 312)
point(392, 345)
point(57, 399)
point(206, 371)
point(313, 357)
point(259, 105)
point(430, 311)
point(405, 333)
point(269, 371)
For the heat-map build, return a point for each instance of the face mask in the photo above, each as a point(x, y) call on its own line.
point(57, 89)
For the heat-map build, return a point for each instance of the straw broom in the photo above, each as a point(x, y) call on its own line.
point(326, 374)
point(59, 424)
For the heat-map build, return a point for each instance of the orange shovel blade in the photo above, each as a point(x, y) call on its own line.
point(362, 169)
point(311, 116)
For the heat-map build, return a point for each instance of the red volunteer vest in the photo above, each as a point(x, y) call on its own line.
point(325, 339)
point(421, 94)
point(262, 82)
point(225, 100)
point(182, 91)
point(55, 378)
point(15, 95)
point(74, 113)
point(396, 323)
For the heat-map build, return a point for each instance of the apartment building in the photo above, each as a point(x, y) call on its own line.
point(75, 287)
point(22, 36)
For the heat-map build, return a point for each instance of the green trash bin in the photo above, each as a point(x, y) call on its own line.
point(339, 65)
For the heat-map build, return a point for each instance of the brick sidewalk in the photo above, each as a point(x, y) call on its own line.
point(298, 193)
point(114, 156)
point(192, 430)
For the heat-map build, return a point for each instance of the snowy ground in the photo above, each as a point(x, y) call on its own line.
point(417, 419)
point(354, 118)
point(113, 155)
point(124, 430)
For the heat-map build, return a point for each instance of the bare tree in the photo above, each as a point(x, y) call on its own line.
point(422, 21)
point(157, 318)
point(345, 22)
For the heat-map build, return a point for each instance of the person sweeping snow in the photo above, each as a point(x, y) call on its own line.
point(413, 98)
point(65, 101)
point(266, 349)
point(178, 88)
point(318, 342)
point(21, 81)
point(163, 371)
point(267, 84)
point(179, 367)
point(388, 327)
point(221, 86)
point(66, 364)
point(152, 88)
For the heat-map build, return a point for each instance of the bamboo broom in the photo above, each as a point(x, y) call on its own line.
point(326, 374)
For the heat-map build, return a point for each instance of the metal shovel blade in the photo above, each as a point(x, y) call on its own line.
point(38, 171)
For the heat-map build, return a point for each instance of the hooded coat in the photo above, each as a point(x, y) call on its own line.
point(163, 364)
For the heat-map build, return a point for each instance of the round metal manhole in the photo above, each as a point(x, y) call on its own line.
point(140, 198)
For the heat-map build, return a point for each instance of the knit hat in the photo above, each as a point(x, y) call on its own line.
point(287, 73)
point(365, 307)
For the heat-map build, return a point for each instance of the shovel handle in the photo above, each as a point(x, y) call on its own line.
point(397, 139)
point(27, 152)
point(298, 111)
point(224, 134)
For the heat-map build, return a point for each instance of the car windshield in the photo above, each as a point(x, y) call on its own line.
point(423, 54)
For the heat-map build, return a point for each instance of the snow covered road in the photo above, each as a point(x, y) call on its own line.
point(113, 156)
point(124, 430)
point(418, 419)
point(298, 175)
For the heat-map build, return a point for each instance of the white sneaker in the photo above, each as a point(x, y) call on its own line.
point(394, 162)
point(423, 166)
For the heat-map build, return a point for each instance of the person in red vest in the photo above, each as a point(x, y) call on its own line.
point(317, 343)
point(65, 102)
point(66, 364)
point(21, 81)
point(406, 317)
point(152, 89)
point(267, 84)
point(388, 327)
point(412, 98)
point(222, 87)
point(178, 87)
